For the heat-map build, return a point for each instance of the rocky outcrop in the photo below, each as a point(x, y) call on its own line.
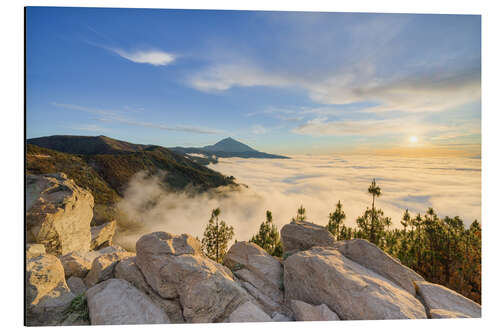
point(301, 236)
point(370, 256)
point(324, 276)
point(102, 235)
point(442, 302)
point(259, 273)
point(58, 213)
point(248, 312)
point(117, 302)
point(128, 270)
point(47, 294)
point(307, 312)
point(103, 266)
point(175, 268)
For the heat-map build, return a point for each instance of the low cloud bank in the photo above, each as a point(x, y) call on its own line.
point(452, 186)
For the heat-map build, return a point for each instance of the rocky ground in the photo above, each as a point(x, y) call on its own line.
point(77, 276)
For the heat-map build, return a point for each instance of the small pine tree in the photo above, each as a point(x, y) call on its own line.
point(336, 221)
point(216, 237)
point(301, 214)
point(268, 237)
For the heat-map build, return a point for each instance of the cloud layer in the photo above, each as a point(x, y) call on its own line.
point(452, 186)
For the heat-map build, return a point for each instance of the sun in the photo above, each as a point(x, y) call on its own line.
point(413, 139)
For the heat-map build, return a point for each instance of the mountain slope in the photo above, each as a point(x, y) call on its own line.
point(107, 172)
point(86, 144)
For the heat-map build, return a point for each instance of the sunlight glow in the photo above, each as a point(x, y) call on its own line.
point(413, 139)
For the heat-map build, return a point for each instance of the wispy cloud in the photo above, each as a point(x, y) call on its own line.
point(436, 91)
point(259, 129)
point(114, 116)
point(90, 128)
point(152, 57)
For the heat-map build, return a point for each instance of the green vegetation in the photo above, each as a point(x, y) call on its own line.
point(301, 214)
point(78, 308)
point(268, 237)
point(216, 237)
point(336, 221)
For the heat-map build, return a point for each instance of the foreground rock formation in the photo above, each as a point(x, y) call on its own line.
point(170, 280)
point(47, 294)
point(442, 302)
point(58, 213)
point(323, 275)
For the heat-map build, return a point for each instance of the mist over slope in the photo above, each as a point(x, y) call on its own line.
point(452, 186)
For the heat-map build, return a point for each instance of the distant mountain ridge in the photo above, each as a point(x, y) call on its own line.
point(227, 147)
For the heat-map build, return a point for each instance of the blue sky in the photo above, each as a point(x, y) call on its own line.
point(282, 82)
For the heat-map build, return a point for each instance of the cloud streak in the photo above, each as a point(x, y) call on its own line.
point(152, 57)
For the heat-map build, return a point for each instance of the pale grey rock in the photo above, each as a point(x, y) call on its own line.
point(262, 273)
point(47, 294)
point(76, 285)
point(175, 267)
point(58, 213)
point(127, 270)
point(280, 317)
point(102, 235)
point(118, 302)
point(103, 266)
point(370, 256)
point(324, 276)
point(248, 312)
point(34, 250)
point(445, 314)
point(307, 312)
point(440, 300)
point(301, 236)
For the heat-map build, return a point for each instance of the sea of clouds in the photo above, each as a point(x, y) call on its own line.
point(451, 185)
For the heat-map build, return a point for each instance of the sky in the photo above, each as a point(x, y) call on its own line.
point(282, 82)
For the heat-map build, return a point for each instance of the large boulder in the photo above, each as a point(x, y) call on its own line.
point(117, 302)
point(302, 235)
point(248, 312)
point(58, 213)
point(47, 294)
point(260, 274)
point(127, 270)
point(102, 235)
point(445, 303)
point(103, 267)
point(307, 312)
point(175, 267)
point(324, 276)
point(369, 255)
